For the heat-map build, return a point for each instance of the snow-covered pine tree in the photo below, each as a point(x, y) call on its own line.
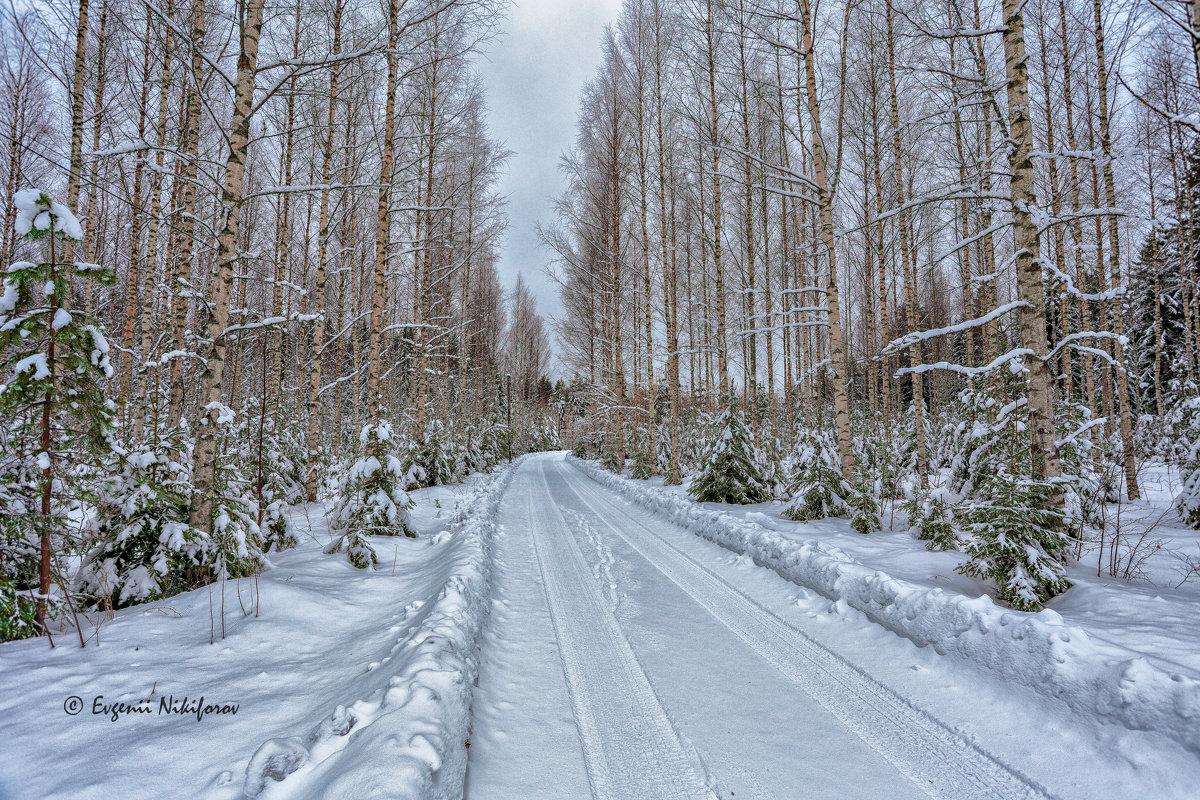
point(275, 462)
point(1188, 502)
point(434, 458)
point(818, 490)
point(477, 452)
point(640, 451)
point(931, 517)
point(235, 547)
point(695, 443)
point(883, 457)
point(1012, 533)
point(544, 434)
point(19, 546)
point(56, 419)
point(373, 501)
point(662, 453)
point(141, 544)
point(1090, 474)
point(773, 464)
point(730, 472)
point(864, 509)
point(1157, 311)
point(1014, 539)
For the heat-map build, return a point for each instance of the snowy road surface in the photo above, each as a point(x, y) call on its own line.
point(628, 659)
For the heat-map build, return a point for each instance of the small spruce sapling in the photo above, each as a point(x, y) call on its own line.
point(1014, 539)
point(639, 450)
point(817, 488)
point(1013, 535)
point(730, 472)
point(1188, 503)
point(864, 509)
point(56, 419)
point(142, 543)
point(931, 517)
point(235, 548)
point(373, 501)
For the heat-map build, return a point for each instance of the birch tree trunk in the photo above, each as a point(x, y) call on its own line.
point(1114, 255)
point(318, 307)
point(205, 464)
point(1030, 289)
point(79, 74)
point(180, 268)
point(136, 217)
point(841, 395)
point(906, 257)
point(718, 271)
point(383, 224)
point(150, 385)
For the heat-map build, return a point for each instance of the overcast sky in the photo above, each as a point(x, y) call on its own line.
point(534, 71)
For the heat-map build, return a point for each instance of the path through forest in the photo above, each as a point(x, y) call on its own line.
point(624, 660)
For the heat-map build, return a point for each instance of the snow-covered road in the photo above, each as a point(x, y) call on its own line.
point(621, 663)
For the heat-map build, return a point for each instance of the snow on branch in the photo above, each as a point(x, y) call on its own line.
point(909, 339)
point(1065, 279)
point(1069, 341)
point(1020, 352)
point(269, 322)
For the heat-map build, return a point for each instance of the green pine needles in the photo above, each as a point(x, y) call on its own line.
point(373, 501)
point(56, 421)
point(819, 491)
point(730, 472)
point(1015, 540)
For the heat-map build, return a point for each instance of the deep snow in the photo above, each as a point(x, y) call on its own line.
point(1104, 666)
point(347, 679)
point(624, 657)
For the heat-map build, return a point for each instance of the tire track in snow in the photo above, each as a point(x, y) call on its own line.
point(631, 748)
point(938, 760)
point(603, 569)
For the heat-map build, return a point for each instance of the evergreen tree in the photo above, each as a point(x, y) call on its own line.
point(235, 547)
point(1188, 503)
point(1012, 534)
point(19, 551)
point(1156, 281)
point(373, 501)
point(1015, 539)
point(639, 450)
point(931, 518)
point(730, 472)
point(141, 545)
point(433, 459)
point(817, 488)
point(56, 420)
point(276, 462)
point(695, 443)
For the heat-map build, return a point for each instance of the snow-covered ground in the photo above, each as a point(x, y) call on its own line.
point(336, 673)
point(1127, 654)
point(624, 657)
point(627, 657)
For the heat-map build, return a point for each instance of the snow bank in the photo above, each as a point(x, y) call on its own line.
point(1038, 650)
point(408, 737)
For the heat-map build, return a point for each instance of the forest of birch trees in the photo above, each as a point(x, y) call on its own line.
point(884, 251)
point(874, 259)
point(273, 230)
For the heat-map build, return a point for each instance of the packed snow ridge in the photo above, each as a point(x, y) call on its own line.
point(1038, 650)
point(410, 731)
